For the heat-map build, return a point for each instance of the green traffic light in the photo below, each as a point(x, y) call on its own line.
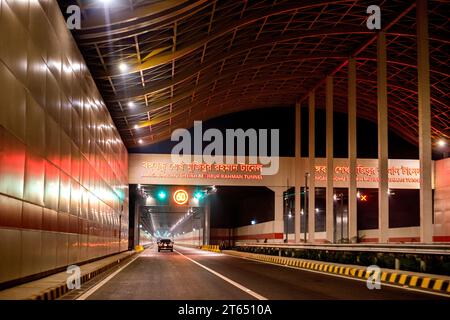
point(198, 195)
point(162, 195)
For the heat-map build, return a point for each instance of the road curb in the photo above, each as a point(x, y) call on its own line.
point(59, 290)
point(431, 283)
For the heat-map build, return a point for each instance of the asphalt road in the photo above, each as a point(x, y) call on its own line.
point(191, 274)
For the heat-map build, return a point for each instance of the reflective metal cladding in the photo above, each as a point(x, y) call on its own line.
point(63, 166)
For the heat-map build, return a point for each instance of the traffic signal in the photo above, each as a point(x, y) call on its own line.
point(162, 195)
point(198, 195)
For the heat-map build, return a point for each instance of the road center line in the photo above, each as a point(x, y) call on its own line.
point(85, 295)
point(234, 283)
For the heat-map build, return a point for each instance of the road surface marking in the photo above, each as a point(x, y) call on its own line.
point(234, 283)
point(348, 278)
point(85, 295)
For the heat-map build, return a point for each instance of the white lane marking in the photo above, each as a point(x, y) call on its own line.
point(234, 283)
point(344, 277)
point(85, 295)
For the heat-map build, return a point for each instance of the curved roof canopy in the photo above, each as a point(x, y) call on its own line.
point(162, 64)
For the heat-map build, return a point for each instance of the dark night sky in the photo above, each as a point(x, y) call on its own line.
point(282, 118)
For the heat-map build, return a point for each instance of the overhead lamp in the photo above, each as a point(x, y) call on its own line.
point(136, 126)
point(140, 141)
point(123, 67)
point(441, 143)
point(131, 104)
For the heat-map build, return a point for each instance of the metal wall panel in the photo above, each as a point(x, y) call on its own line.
point(10, 212)
point(11, 256)
point(32, 216)
point(52, 138)
point(49, 244)
point(31, 252)
point(34, 178)
point(13, 43)
point(74, 248)
point(51, 192)
point(63, 166)
point(12, 164)
point(62, 250)
point(35, 126)
point(12, 102)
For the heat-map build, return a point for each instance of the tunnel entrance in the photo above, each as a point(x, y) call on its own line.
point(169, 211)
point(200, 215)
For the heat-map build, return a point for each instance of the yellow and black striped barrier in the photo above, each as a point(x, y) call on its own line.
point(212, 248)
point(398, 278)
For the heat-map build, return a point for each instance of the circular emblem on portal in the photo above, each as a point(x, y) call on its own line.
point(180, 196)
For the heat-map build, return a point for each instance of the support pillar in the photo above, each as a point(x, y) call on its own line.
point(137, 221)
point(383, 183)
point(423, 67)
point(278, 219)
point(207, 226)
point(352, 200)
point(312, 168)
point(330, 166)
point(297, 171)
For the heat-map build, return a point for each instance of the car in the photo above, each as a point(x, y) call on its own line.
point(165, 244)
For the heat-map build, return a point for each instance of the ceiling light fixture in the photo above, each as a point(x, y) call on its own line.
point(123, 67)
point(441, 143)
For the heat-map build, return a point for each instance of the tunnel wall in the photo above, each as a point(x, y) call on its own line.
point(63, 166)
point(192, 238)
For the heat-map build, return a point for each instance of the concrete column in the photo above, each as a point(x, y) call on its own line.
point(137, 221)
point(423, 67)
point(297, 171)
point(330, 166)
point(207, 226)
point(278, 219)
point(312, 168)
point(352, 204)
point(383, 184)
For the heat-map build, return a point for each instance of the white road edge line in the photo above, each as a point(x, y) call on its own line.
point(345, 277)
point(85, 295)
point(234, 283)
